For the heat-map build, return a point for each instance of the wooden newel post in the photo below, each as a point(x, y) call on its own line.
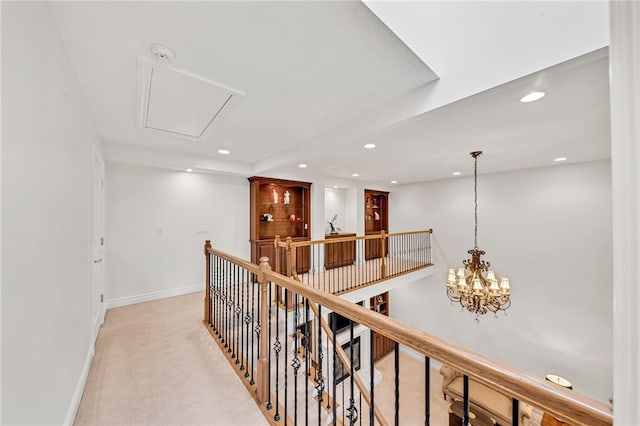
point(262, 381)
point(277, 260)
point(207, 280)
point(383, 252)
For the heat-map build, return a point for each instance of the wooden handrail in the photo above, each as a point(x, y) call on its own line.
point(251, 267)
point(397, 234)
point(559, 402)
point(280, 243)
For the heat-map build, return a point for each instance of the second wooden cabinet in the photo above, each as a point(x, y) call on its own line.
point(381, 344)
point(376, 219)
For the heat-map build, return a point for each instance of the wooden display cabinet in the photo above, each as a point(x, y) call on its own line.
point(339, 254)
point(376, 219)
point(279, 207)
point(381, 344)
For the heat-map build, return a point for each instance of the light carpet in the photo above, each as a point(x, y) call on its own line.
point(156, 364)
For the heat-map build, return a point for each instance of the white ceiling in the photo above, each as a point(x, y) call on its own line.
point(304, 66)
point(309, 68)
point(572, 121)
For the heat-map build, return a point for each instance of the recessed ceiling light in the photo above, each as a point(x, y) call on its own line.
point(456, 173)
point(189, 170)
point(533, 96)
point(335, 186)
point(302, 166)
point(370, 146)
point(224, 151)
point(394, 181)
point(355, 174)
point(559, 159)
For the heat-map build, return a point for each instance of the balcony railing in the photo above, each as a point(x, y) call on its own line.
point(340, 265)
point(301, 369)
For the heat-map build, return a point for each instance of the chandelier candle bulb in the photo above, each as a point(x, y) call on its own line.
point(462, 285)
point(504, 285)
point(493, 287)
point(477, 287)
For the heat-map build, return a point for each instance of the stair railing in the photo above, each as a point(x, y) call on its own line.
point(286, 355)
point(340, 265)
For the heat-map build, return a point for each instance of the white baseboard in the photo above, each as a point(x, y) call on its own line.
point(77, 393)
point(154, 295)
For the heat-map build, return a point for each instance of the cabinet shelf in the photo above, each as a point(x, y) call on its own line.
point(282, 221)
point(266, 203)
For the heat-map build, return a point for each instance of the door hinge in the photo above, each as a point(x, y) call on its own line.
point(102, 298)
point(101, 241)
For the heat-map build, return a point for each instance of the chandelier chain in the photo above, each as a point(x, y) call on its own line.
point(475, 191)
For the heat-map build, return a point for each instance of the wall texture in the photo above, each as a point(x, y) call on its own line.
point(157, 222)
point(549, 231)
point(46, 200)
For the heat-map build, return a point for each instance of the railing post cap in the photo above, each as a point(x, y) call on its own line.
point(264, 261)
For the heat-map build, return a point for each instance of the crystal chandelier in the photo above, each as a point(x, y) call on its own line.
point(475, 292)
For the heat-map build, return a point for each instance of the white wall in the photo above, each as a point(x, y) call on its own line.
point(549, 231)
point(157, 222)
point(46, 197)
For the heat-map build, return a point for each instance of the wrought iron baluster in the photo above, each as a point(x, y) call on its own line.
point(286, 339)
point(296, 360)
point(226, 303)
point(247, 322)
point(221, 302)
point(236, 312)
point(307, 373)
point(277, 346)
point(371, 370)
point(214, 281)
point(353, 412)
point(212, 292)
point(396, 357)
point(255, 338)
point(427, 391)
point(515, 412)
point(269, 405)
point(335, 367)
point(219, 305)
point(465, 400)
point(319, 356)
point(229, 297)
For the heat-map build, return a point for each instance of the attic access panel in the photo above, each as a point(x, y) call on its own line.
point(178, 102)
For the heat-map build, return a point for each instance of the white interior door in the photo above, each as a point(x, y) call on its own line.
point(97, 243)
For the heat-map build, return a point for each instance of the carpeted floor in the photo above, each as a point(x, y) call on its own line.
point(156, 364)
